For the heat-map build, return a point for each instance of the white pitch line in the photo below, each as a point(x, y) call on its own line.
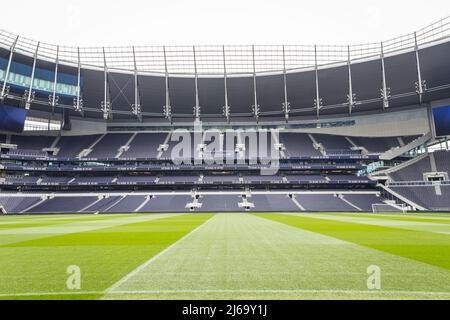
point(370, 292)
point(154, 258)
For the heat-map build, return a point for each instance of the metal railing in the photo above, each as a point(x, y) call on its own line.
point(210, 60)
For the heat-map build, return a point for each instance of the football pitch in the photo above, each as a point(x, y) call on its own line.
point(225, 256)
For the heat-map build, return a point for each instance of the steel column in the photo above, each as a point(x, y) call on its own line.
point(351, 96)
point(385, 91)
point(318, 100)
point(136, 107)
point(226, 108)
point(420, 84)
point(106, 105)
point(286, 104)
point(167, 108)
point(255, 107)
point(53, 98)
point(197, 103)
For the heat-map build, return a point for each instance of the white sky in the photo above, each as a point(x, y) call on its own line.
point(155, 22)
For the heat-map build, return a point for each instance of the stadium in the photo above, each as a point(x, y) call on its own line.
point(226, 172)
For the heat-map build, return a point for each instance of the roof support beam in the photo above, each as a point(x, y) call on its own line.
point(5, 88)
point(167, 109)
point(351, 97)
point(421, 85)
point(30, 93)
point(197, 101)
point(385, 91)
point(106, 104)
point(286, 104)
point(53, 98)
point(317, 100)
point(226, 107)
point(255, 107)
point(136, 107)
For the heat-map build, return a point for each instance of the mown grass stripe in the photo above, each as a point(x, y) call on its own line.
point(104, 255)
point(426, 247)
point(410, 218)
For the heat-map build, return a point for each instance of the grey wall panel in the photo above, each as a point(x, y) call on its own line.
point(401, 73)
point(92, 89)
point(333, 84)
point(121, 88)
point(240, 93)
point(153, 93)
point(270, 90)
point(435, 65)
point(182, 95)
point(367, 80)
point(301, 88)
point(211, 95)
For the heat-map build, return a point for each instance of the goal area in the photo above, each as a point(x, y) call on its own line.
point(388, 208)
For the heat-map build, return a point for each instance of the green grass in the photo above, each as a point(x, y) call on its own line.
point(225, 256)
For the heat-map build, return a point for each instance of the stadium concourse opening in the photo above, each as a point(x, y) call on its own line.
point(220, 172)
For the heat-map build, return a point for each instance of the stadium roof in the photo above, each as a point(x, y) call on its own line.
point(216, 59)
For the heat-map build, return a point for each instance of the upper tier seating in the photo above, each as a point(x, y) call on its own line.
point(71, 147)
point(376, 145)
point(442, 159)
point(36, 143)
point(145, 145)
point(109, 145)
point(334, 144)
point(413, 172)
point(298, 145)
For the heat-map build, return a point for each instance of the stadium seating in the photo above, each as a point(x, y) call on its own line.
point(108, 146)
point(145, 145)
point(298, 145)
point(63, 204)
point(427, 196)
point(413, 172)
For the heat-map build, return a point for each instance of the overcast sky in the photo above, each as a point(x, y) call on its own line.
point(154, 22)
